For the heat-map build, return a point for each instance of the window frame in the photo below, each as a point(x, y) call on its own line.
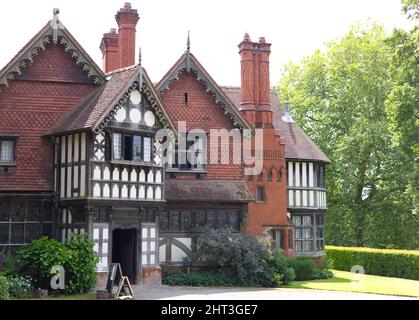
point(133, 134)
point(315, 227)
point(263, 198)
point(188, 168)
point(43, 222)
point(13, 139)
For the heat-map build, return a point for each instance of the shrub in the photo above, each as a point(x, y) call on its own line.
point(39, 257)
point(282, 272)
point(80, 265)
point(304, 268)
point(20, 287)
point(240, 257)
point(381, 262)
point(174, 276)
point(76, 256)
point(322, 274)
point(4, 288)
point(11, 266)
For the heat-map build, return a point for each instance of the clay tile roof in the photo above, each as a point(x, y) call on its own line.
point(94, 105)
point(297, 144)
point(207, 190)
point(44, 30)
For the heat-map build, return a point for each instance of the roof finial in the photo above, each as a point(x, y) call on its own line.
point(188, 43)
point(55, 24)
point(139, 57)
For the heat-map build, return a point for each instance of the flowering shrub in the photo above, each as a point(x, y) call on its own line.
point(20, 287)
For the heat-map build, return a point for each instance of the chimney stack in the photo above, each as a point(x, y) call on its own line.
point(255, 82)
point(127, 19)
point(110, 52)
point(118, 48)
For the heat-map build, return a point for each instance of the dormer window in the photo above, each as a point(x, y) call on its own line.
point(7, 150)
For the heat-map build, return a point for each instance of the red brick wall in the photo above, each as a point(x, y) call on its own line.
point(272, 211)
point(33, 103)
point(201, 113)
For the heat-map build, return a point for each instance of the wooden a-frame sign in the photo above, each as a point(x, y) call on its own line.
point(128, 293)
point(117, 281)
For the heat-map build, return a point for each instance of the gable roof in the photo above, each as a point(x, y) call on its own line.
point(297, 144)
point(189, 63)
point(38, 43)
point(97, 109)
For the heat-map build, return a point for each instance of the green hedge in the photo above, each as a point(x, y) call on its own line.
point(381, 262)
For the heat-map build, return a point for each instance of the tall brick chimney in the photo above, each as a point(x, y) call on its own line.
point(255, 82)
point(110, 52)
point(127, 19)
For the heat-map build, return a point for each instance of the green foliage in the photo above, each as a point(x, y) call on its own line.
point(81, 264)
point(11, 266)
point(381, 262)
point(282, 272)
point(174, 276)
point(4, 288)
point(39, 257)
point(322, 274)
point(20, 287)
point(241, 257)
point(304, 268)
point(76, 256)
point(358, 100)
point(411, 8)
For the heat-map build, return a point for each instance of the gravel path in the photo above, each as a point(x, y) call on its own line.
point(157, 292)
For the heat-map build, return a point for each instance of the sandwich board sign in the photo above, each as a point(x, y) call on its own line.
point(118, 285)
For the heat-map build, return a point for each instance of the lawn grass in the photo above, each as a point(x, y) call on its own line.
point(83, 296)
point(347, 281)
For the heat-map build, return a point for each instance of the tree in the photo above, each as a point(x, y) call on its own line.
point(402, 104)
point(339, 97)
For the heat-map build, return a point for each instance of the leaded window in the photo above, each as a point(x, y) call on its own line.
point(132, 147)
point(117, 146)
point(101, 244)
point(186, 220)
point(23, 221)
point(147, 149)
point(190, 155)
point(149, 244)
point(308, 232)
point(7, 151)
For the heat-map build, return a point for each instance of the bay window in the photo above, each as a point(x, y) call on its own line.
point(308, 232)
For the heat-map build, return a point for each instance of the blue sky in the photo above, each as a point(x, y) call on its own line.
point(295, 28)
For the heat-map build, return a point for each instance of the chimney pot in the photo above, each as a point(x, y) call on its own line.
point(262, 40)
point(246, 37)
point(127, 5)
